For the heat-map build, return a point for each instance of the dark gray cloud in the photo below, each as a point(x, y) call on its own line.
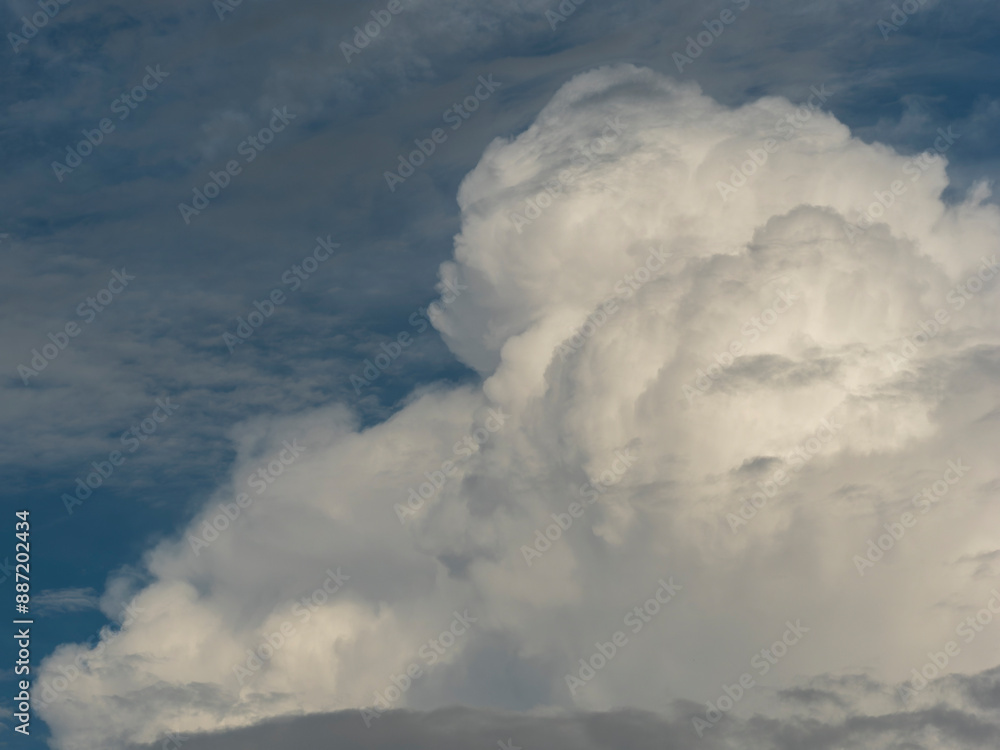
point(973, 727)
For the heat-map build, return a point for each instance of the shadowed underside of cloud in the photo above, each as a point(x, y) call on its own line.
point(726, 353)
point(806, 726)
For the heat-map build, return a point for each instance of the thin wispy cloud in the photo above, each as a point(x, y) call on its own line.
point(58, 601)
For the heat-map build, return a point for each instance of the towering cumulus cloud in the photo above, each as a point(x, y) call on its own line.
point(735, 436)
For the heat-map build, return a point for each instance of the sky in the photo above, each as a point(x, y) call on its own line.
point(524, 374)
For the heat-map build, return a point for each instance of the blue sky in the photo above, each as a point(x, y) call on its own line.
point(63, 236)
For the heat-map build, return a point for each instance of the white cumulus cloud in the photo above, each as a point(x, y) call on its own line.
point(618, 303)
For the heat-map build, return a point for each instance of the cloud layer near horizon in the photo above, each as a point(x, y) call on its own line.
point(823, 722)
point(821, 397)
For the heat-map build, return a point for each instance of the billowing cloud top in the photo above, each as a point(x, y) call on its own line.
point(739, 394)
